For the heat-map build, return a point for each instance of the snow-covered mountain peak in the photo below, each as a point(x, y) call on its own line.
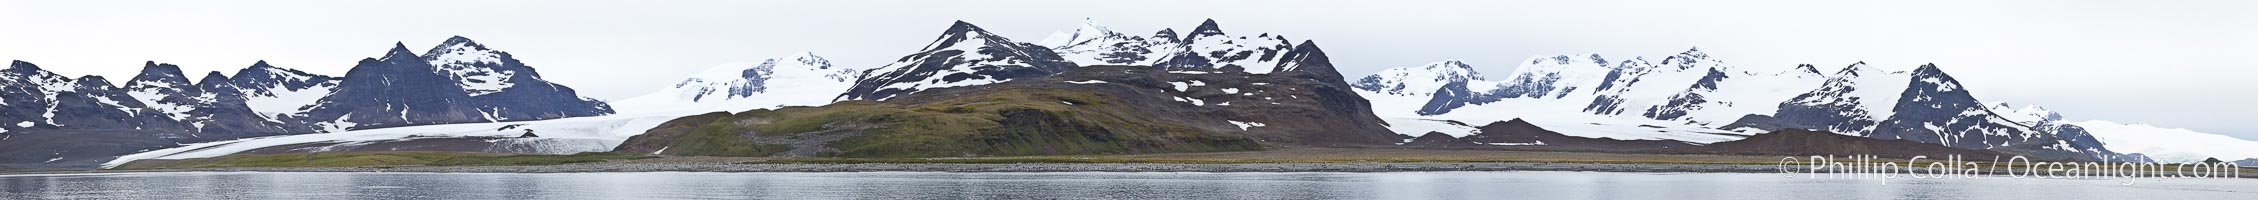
point(155, 74)
point(753, 75)
point(459, 40)
point(964, 55)
point(806, 58)
point(1208, 48)
point(1855, 70)
point(92, 82)
point(1454, 65)
point(1930, 74)
point(1418, 81)
point(460, 50)
point(1930, 69)
point(31, 74)
point(1808, 69)
point(163, 87)
point(1206, 28)
point(477, 69)
point(1694, 52)
point(1089, 32)
point(1693, 59)
point(1568, 70)
point(263, 75)
point(213, 77)
point(962, 32)
point(2027, 114)
point(1093, 44)
point(1166, 35)
point(775, 82)
point(270, 90)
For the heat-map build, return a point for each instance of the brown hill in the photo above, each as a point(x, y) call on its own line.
point(1523, 133)
point(1438, 140)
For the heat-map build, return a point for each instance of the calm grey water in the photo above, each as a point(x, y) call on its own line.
point(1090, 185)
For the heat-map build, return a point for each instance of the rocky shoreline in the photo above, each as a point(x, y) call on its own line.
point(1019, 167)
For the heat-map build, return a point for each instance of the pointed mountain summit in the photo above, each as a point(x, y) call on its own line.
point(159, 76)
point(459, 81)
point(1094, 44)
point(399, 51)
point(1207, 48)
point(44, 112)
point(1166, 35)
point(1311, 62)
point(1421, 80)
point(1936, 109)
point(1206, 29)
point(19, 66)
point(964, 55)
point(1807, 68)
point(280, 93)
point(266, 79)
point(477, 69)
point(162, 107)
point(92, 82)
point(221, 110)
point(164, 88)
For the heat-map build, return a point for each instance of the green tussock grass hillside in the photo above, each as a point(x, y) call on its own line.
point(1009, 122)
point(373, 159)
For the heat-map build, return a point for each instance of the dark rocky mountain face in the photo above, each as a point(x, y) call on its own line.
point(223, 111)
point(471, 84)
point(964, 55)
point(161, 79)
point(1166, 35)
point(1690, 100)
point(1932, 108)
point(36, 99)
point(48, 121)
point(52, 115)
point(505, 89)
point(1830, 107)
point(262, 78)
point(1331, 92)
point(1450, 97)
point(1934, 99)
point(387, 91)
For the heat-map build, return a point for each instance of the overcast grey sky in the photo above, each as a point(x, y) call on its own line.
point(2170, 63)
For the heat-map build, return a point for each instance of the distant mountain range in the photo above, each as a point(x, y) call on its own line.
point(973, 92)
point(459, 81)
point(1691, 96)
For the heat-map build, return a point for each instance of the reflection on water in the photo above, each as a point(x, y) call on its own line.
point(1091, 185)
